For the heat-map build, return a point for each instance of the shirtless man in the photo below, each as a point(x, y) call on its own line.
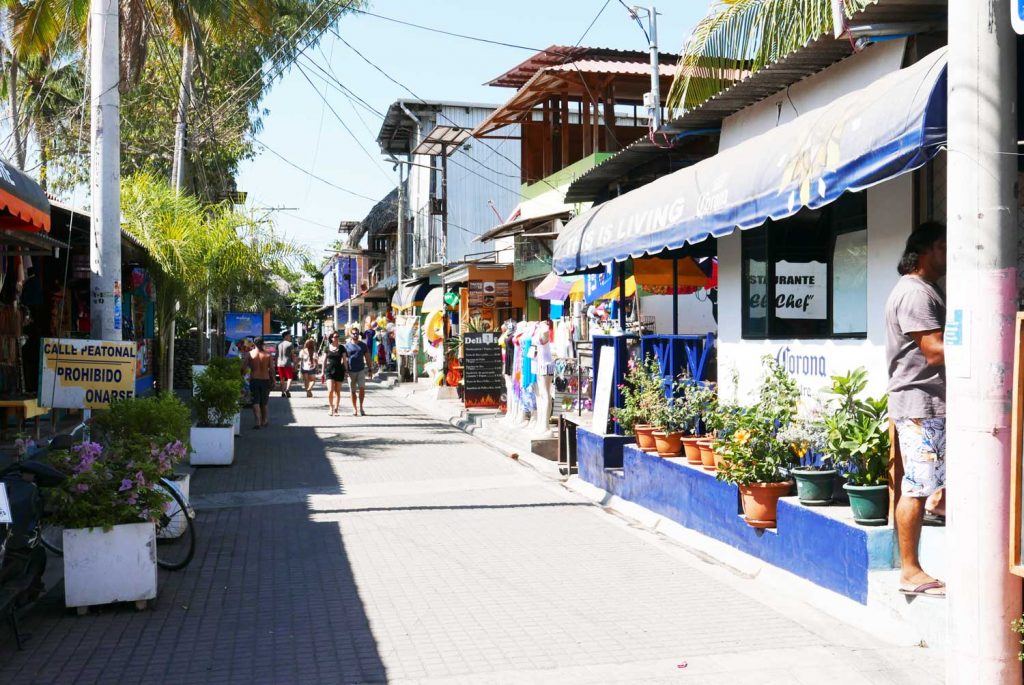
point(260, 365)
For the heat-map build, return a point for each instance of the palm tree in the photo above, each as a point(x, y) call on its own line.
point(743, 36)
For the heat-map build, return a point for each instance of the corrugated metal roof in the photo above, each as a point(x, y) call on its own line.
point(604, 66)
point(517, 76)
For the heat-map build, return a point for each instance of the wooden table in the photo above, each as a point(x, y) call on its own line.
point(27, 408)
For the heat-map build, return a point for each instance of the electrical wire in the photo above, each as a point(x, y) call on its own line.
point(374, 160)
point(311, 174)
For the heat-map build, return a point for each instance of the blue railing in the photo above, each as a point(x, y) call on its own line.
point(676, 355)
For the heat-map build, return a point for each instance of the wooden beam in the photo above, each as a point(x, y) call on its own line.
point(611, 143)
point(585, 120)
point(546, 153)
point(565, 130)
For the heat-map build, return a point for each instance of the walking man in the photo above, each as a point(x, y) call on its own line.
point(286, 364)
point(358, 365)
point(915, 315)
point(260, 367)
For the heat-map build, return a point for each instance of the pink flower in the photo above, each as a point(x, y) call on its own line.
point(140, 479)
point(81, 487)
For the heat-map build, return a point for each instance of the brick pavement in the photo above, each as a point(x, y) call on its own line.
point(393, 547)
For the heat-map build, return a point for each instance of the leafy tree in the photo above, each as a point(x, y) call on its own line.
point(739, 37)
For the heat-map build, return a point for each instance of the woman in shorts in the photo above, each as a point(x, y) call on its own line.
point(307, 364)
point(334, 370)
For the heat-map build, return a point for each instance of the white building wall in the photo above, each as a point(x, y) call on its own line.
point(890, 217)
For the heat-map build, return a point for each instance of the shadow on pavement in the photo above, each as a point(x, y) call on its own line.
point(269, 598)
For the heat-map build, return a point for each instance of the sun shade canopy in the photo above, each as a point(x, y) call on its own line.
point(892, 126)
point(23, 204)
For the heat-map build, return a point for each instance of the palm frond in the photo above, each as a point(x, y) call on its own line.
point(740, 37)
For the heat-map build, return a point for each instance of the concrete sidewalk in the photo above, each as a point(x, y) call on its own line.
point(396, 548)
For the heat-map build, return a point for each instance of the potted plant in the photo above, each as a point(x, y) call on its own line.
point(815, 474)
point(721, 421)
point(857, 437)
point(643, 396)
point(669, 425)
point(215, 402)
point(753, 456)
point(111, 499)
point(694, 399)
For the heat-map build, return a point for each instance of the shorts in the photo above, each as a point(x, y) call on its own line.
point(287, 373)
point(260, 390)
point(357, 379)
point(923, 447)
point(309, 372)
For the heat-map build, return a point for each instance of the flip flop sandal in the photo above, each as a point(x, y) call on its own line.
point(922, 590)
point(931, 519)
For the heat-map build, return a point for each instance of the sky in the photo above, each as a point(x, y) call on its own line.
point(301, 127)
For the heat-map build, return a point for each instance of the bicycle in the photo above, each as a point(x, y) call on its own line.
point(175, 528)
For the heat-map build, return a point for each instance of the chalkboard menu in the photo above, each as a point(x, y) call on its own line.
point(484, 384)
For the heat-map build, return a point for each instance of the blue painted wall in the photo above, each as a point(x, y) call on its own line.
point(595, 453)
point(834, 554)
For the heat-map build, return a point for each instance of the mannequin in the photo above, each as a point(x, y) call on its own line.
point(508, 353)
point(543, 363)
point(516, 416)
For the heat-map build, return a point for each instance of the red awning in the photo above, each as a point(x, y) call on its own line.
point(23, 204)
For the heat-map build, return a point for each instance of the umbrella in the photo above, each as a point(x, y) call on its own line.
point(576, 290)
point(554, 287)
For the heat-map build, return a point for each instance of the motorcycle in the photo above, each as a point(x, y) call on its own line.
point(22, 556)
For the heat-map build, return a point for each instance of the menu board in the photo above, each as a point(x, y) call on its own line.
point(484, 384)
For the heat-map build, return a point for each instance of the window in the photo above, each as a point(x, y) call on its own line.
point(806, 276)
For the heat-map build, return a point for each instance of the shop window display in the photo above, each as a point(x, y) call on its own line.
point(806, 276)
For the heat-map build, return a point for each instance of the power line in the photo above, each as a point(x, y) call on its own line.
point(441, 114)
point(311, 174)
point(341, 121)
point(599, 13)
point(452, 33)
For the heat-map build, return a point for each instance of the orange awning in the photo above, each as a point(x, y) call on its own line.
point(655, 275)
point(23, 204)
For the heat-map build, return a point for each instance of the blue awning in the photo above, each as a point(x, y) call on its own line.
point(892, 126)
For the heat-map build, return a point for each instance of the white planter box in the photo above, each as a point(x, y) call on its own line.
point(237, 423)
point(212, 446)
point(101, 567)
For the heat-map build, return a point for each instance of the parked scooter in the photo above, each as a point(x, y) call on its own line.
point(22, 557)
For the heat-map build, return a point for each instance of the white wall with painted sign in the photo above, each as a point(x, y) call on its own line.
point(890, 218)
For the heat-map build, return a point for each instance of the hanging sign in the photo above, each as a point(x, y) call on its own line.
point(596, 285)
point(483, 381)
point(86, 374)
point(800, 290)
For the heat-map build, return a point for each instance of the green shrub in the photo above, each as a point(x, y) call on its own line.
point(159, 418)
point(217, 396)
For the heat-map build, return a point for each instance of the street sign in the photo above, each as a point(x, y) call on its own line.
point(1017, 16)
point(86, 374)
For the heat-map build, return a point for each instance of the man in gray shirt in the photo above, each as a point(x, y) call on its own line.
point(915, 315)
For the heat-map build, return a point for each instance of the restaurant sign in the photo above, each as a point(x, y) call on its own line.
point(86, 374)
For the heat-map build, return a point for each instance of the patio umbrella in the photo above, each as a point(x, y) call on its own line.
point(554, 287)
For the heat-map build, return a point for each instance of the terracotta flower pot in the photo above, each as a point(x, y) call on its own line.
point(692, 450)
point(669, 444)
point(719, 458)
point(644, 437)
point(761, 502)
point(707, 454)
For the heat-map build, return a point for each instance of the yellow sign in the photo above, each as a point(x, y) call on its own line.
point(86, 374)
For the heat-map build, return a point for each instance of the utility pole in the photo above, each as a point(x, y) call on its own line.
point(652, 30)
point(983, 597)
point(654, 104)
point(105, 176)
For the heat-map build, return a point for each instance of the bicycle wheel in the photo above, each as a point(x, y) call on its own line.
point(52, 538)
point(175, 531)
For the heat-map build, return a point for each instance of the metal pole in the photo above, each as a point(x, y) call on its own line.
point(444, 260)
point(401, 255)
point(348, 267)
point(652, 30)
point(105, 177)
point(675, 296)
point(983, 597)
point(622, 294)
point(178, 161)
